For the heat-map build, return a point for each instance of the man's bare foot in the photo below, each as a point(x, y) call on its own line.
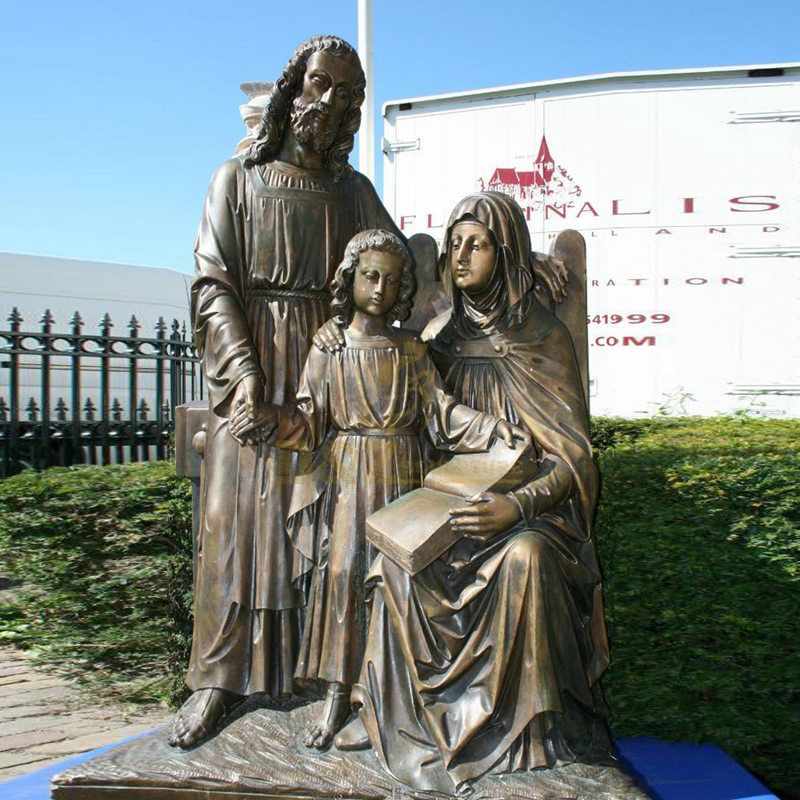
point(352, 737)
point(335, 711)
point(199, 715)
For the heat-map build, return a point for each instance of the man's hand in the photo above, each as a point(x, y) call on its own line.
point(510, 433)
point(330, 337)
point(243, 403)
point(488, 514)
point(247, 392)
point(553, 274)
point(248, 428)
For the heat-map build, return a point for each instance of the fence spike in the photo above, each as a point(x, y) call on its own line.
point(61, 409)
point(47, 321)
point(15, 318)
point(33, 410)
point(116, 410)
point(80, 418)
point(89, 409)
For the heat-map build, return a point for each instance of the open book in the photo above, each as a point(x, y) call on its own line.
point(415, 530)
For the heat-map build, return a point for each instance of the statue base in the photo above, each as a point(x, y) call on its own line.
point(259, 754)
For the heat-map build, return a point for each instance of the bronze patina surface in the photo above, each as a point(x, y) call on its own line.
point(490, 658)
point(259, 754)
point(273, 229)
point(478, 675)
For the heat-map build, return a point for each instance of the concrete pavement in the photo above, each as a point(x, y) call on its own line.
point(45, 718)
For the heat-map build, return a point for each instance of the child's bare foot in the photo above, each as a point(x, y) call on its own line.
point(334, 713)
point(199, 715)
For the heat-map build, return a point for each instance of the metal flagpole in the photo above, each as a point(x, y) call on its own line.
point(366, 144)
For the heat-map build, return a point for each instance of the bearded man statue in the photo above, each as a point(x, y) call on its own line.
point(275, 224)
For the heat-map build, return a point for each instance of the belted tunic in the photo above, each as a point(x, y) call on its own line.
point(270, 239)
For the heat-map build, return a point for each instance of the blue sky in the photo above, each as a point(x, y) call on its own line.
point(114, 114)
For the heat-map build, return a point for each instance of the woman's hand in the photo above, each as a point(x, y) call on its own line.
point(510, 433)
point(330, 337)
point(489, 513)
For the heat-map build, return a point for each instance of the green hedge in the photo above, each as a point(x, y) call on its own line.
point(104, 557)
point(699, 537)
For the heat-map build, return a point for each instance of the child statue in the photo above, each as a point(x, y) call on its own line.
point(363, 409)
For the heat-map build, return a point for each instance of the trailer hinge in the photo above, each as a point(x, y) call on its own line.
point(755, 117)
point(765, 252)
point(399, 147)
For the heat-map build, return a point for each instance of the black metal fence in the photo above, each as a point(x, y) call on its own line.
point(97, 398)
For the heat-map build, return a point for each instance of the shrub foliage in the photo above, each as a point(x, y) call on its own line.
point(104, 557)
point(699, 538)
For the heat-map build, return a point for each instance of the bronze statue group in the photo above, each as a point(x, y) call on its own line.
point(324, 408)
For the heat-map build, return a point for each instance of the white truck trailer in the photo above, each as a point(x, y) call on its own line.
point(686, 187)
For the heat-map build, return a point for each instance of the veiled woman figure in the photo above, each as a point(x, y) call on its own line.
point(489, 659)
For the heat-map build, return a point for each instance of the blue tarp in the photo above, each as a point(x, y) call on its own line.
point(667, 772)
point(688, 771)
point(36, 785)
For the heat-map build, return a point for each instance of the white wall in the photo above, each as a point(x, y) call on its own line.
point(652, 169)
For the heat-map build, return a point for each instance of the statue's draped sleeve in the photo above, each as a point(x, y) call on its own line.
point(451, 425)
point(221, 330)
point(551, 487)
point(304, 425)
point(541, 378)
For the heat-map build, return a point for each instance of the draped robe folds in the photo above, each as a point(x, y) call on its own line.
point(489, 659)
point(370, 405)
point(269, 242)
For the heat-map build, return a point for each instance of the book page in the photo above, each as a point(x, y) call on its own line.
point(469, 473)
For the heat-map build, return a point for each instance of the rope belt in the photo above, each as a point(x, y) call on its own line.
point(301, 294)
point(379, 432)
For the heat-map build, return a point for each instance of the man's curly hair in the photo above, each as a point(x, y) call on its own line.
point(275, 117)
point(342, 284)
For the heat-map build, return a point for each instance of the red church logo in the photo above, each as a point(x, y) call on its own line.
point(546, 182)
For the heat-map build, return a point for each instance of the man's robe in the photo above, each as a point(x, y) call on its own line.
point(270, 239)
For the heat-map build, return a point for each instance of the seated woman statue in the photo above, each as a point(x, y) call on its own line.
point(489, 658)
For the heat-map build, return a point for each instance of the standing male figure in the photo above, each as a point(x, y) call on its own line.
point(274, 227)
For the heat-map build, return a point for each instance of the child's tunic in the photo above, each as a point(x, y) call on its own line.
point(369, 404)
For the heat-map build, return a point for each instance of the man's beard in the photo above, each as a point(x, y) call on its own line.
point(311, 124)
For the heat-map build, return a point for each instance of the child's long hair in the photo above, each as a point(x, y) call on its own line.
point(342, 285)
